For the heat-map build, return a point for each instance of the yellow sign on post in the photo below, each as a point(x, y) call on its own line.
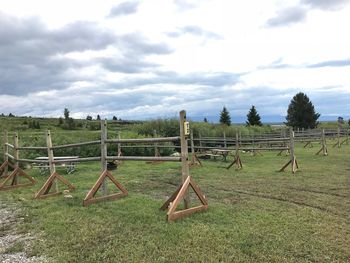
point(186, 128)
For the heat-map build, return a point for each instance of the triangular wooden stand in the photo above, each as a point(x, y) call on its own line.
point(236, 161)
point(172, 203)
point(13, 177)
point(324, 150)
point(195, 160)
point(3, 166)
point(294, 164)
point(45, 189)
point(309, 143)
point(90, 197)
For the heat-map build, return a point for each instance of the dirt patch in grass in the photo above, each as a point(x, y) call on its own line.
point(14, 246)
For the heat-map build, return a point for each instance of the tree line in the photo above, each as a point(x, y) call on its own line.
point(300, 114)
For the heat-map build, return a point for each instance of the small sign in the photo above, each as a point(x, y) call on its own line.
point(186, 128)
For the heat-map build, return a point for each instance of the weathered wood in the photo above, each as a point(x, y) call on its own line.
point(184, 155)
point(145, 140)
point(143, 158)
point(76, 144)
point(50, 156)
point(4, 170)
point(16, 156)
point(90, 197)
point(32, 148)
point(13, 177)
point(8, 144)
point(180, 193)
point(104, 187)
point(53, 178)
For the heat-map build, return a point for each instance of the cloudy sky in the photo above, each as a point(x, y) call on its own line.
point(152, 58)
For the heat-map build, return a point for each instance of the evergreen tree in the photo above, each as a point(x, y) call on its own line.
point(301, 112)
point(89, 118)
point(115, 118)
point(66, 114)
point(205, 119)
point(253, 118)
point(225, 117)
point(98, 117)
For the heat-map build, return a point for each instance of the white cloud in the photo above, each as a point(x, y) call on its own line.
point(132, 65)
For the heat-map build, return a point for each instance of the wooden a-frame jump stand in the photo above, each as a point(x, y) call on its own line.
point(324, 145)
point(183, 191)
point(54, 178)
point(293, 161)
point(11, 180)
point(237, 158)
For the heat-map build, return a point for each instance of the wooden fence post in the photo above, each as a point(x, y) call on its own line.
point(225, 142)
point(119, 145)
point(156, 149)
point(51, 157)
point(6, 151)
point(237, 158)
point(184, 156)
point(104, 155)
point(293, 160)
point(194, 158)
point(16, 155)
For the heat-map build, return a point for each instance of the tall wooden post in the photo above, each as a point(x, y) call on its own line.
point(6, 151)
point(192, 143)
point(104, 155)
point(156, 149)
point(291, 143)
point(200, 142)
point(184, 156)
point(338, 138)
point(119, 145)
point(16, 155)
point(225, 142)
point(50, 156)
point(237, 144)
point(324, 145)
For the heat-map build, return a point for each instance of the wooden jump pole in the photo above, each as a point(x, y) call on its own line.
point(185, 170)
point(119, 145)
point(51, 157)
point(194, 158)
point(156, 149)
point(324, 145)
point(293, 160)
point(104, 186)
point(16, 155)
point(225, 142)
point(237, 158)
point(4, 171)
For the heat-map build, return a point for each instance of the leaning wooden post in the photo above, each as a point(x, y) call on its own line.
point(50, 156)
point(292, 160)
point(156, 149)
point(16, 155)
point(338, 137)
point(324, 145)
point(6, 151)
point(200, 142)
point(119, 145)
point(184, 155)
point(225, 142)
point(104, 155)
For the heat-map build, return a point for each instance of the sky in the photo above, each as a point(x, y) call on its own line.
point(153, 58)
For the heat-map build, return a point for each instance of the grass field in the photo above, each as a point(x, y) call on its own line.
point(255, 215)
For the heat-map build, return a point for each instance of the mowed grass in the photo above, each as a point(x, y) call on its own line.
point(256, 214)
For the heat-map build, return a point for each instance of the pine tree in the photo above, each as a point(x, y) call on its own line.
point(301, 113)
point(98, 117)
point(225, 117)
point(253, 118)
point(205, 119)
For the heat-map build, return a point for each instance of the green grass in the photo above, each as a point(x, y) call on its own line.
point(255, 215)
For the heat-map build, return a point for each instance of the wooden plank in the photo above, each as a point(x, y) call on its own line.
point(186, 212)
point(185, 170)
point(145, 140)
point(103, 198)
